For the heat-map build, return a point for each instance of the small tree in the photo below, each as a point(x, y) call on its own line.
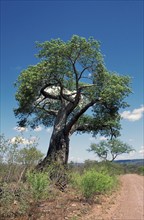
point(9, 149)
point(17, 151)
point(110, 149)
point(29, 156)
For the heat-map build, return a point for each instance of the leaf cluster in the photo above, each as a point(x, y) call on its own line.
point(110, 149)
point(91, 182)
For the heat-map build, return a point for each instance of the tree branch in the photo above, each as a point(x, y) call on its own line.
point(83, 72)
point(48, 95)
point(86, 86)
point(76, 116)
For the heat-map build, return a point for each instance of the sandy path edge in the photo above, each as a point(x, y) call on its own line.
point(125, 204)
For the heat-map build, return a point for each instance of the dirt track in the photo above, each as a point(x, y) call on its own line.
point(128, 204)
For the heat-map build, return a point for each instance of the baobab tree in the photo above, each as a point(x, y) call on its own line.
point(71, 90)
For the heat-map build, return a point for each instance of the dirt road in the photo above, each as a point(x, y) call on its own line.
point(128, 204)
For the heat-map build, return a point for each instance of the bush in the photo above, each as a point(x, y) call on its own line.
point(14, 200)
point(141, 170)
point(112, 168)
point(92, 182)
point(39, 184)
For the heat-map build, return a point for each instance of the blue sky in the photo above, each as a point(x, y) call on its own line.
point(118, 25)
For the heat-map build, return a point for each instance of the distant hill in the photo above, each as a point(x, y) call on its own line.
point(134, 161)
point(139, 162)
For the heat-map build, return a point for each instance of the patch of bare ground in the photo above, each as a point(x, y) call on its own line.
point(69, 205)
point(66, 205)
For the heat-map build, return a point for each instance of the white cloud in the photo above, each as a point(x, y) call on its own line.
point(132, 153)
point(21, 140)
point(39, 128)
point(134, 115)
point(20, 129)
point(102, 138)
point(17, 140)
point(26, 141)
point(142, 151)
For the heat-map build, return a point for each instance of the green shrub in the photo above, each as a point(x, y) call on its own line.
point(92, 182)
point(111, 168)
point(14, 200)
point(39, 184)
point(75, 179)
point(141, 170)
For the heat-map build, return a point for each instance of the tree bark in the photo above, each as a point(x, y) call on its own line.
point(58, 151)
point(59, 147)
point(59, 143)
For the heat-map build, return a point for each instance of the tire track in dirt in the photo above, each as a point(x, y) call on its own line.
point(131, 204)
point(127, 204)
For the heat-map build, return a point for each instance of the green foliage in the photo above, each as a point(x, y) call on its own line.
point(112, 168)
point(100, 150)
point(71, 72)
point(3, 147)
point(8, 149)
point(92, 182)
point(75, 179)
point(39, 184)
point(16, 155)
point(110, 149)
point(141, 170)
point(29, 156)
point(14, 200)
point(19, 150)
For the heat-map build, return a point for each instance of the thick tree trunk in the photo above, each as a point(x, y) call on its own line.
point(59, 144)
point(58, 151)
point(59, 147)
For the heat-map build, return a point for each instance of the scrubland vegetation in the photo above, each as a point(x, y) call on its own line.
point(17, 196)
point(21, 186)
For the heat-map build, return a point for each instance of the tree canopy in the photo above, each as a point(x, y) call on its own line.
point(71, 90)
point(111, 149)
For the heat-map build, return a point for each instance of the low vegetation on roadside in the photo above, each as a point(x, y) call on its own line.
point(141, 170)
point(22, 187)
point(92, 183)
